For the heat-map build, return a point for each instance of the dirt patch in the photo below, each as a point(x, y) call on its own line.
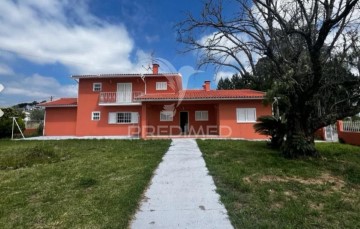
point(277, 205)
point(318, 207)
point(290, 194)
point(336, 183)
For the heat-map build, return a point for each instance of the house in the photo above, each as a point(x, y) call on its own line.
point(153, 105)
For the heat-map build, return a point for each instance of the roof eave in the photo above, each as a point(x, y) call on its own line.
point(198, 99)
point(58, 106)
point(122, 75)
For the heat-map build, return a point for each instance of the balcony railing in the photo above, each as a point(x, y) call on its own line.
point(119, 97)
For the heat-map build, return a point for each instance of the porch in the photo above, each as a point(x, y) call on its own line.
point(185, 120)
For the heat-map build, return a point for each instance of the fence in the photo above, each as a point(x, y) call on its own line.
point(349, 132)
point(350, 126)
point(32, 124)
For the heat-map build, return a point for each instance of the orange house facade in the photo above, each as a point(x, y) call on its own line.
point(153, 106)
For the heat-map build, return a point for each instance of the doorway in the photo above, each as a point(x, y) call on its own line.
point(184, 122)
point(124, 93)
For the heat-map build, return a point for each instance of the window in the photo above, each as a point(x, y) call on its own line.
point(246, 114)
point(161, 86)
point(123, 117)
point(96, 86)
point(201, 116)
point(166, 115)
point(95, 116)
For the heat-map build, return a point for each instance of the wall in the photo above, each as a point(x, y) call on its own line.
point(174, 84)
point(227, 119)
point(352, 138)
point(60, 121)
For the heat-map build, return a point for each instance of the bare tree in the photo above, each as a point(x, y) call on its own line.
point(312, 45)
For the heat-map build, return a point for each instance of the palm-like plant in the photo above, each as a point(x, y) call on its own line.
point(271, 126)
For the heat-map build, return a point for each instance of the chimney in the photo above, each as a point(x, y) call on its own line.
point(207, 85)
point(155, 69)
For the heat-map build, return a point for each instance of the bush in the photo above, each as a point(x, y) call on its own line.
point(6, 122)
point(275, 127)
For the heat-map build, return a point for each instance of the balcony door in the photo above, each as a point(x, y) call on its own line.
point(124, 93)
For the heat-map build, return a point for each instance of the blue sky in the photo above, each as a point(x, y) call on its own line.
point(43, 42)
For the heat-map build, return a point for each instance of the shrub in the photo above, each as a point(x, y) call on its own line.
point(6, 122)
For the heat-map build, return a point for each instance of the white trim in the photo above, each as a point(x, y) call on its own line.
point(161, 86)
point(92, 115)
point(246, 110)
point(120, 104)
point(167, 114)
point(97, 83)
point(202, 119)
point(197, 99)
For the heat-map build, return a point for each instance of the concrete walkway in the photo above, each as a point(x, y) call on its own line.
point(181, 194)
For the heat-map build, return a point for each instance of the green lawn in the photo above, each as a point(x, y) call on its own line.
point(261, 189)
point(74, 183)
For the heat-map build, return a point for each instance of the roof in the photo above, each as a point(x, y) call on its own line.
point(124, 75)
point(242, 94)
point(62, 102)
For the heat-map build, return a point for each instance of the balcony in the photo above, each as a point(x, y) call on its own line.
point(119, 98)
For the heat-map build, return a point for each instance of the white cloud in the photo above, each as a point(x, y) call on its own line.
point(35, 87)
point(51, 31)
point(5, 70)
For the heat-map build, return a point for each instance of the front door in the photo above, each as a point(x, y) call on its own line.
point(124, 93)
point(184, 121)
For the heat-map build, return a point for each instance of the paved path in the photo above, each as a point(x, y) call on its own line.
point(181, 194)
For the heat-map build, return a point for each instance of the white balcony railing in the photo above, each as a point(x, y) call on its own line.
point(350, 126)
point(119, 97)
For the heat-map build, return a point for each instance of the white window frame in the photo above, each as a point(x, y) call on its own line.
point(95, 87)
point(93, 115)
point(114, 117)
point(161, 86)
point(166, 116)
point(247, 115)
point(201, 115)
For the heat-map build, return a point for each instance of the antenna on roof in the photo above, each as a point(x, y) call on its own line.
point(153, 61)
point(148, 68)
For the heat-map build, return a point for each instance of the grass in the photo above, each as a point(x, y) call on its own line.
point(74, 183)
point(261, 189)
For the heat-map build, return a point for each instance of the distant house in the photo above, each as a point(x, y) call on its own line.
point(153, 105)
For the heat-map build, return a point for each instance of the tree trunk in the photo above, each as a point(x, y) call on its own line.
point(298, 143)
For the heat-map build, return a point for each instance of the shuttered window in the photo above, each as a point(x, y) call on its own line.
point(123, 117)
point(246, 114)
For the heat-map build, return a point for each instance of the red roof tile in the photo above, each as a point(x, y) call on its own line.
point(62, 102)
point(203, 95)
